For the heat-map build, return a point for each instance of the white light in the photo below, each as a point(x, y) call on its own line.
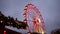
point(39, 20)
point(42, 32)
point(1, 21)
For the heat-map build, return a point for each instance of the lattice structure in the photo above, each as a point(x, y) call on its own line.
point(33, 16)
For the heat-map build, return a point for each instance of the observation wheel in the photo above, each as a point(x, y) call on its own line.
point(33, 18)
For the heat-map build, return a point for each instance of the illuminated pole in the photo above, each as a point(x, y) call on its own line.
point(4, 32)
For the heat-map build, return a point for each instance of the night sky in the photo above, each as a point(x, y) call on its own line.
point(50, 10)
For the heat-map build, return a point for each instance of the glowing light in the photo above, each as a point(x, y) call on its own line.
point(42, 32)
point(25, 21)
point(25, 10)
point(1, 21)
point(24, 15)
point(4, 32)
point(39, 21)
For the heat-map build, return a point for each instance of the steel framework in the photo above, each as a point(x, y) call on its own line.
point(33, 17)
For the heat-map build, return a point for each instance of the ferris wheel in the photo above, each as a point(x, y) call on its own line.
point(33, 18)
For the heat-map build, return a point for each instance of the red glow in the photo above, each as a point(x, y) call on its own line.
point(4, 32)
